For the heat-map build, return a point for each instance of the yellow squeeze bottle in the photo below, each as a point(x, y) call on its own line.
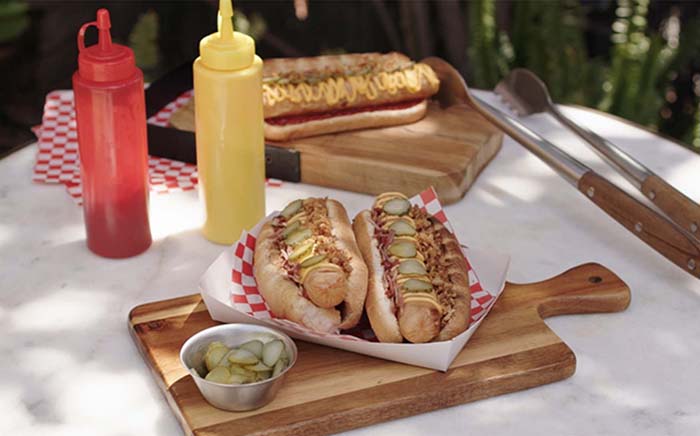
point(229, 131)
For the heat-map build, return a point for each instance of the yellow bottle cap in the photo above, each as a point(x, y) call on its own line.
point(226, 49)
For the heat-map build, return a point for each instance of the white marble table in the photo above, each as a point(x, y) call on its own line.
point(68, 366)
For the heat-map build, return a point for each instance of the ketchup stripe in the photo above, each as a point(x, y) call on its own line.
point(303, 118)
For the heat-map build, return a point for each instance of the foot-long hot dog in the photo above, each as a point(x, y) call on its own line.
point(308, 267)
point(418, 285)
point(324, 94)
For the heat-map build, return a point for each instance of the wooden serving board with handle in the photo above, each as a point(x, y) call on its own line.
point(330, 390)
point(447, 150)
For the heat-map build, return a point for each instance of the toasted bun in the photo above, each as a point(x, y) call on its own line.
point(281, 294)
point(357, 279)
point(457, 273)
point(360, 120)
point(339, 297)
point(325, 83)
point(380, 308)
point(415, 321)
point(320, 67)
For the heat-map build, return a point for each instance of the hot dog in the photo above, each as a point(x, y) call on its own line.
point(418, 285)
point(308, 267)
point(325, 94)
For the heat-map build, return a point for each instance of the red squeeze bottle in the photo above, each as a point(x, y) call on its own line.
point(111, 118)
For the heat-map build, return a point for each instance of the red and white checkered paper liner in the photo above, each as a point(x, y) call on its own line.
point(57, 159)
point(245, 299)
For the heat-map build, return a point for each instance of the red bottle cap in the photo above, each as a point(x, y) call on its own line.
point(104, 61)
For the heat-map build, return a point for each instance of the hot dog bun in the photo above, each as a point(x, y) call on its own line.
point(325, 94)
point(380, 308)
point(320, 84)
point(418, 306)
point(308, 267)
point(370, 118)
point(281, 294)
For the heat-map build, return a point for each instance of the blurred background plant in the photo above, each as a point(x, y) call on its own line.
point(13, 19)
point(638, 59)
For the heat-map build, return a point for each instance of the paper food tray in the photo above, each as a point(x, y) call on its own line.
point(231, 295)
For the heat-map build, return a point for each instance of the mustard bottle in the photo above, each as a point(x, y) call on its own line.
point(229, 131)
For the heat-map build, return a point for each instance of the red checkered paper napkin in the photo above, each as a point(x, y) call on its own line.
point(231, 294)
point(57, 159)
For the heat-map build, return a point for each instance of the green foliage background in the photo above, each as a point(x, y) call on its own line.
point(634, 82)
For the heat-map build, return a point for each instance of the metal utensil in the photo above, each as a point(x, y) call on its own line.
point(527, 94)
point(664, 236)
point(234, 397)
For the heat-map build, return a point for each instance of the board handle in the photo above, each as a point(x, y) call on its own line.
point(588, 288)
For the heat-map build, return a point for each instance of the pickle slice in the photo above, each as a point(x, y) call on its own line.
point(403, 249)
point(299, 236)
point(279, 366)
point(220, 374)
point(258, 367)
point(412, 266)
point(215, 344)
point(313, 260)
point(271, 352)
point(402, 228)
point(238, 379)
point(396, 206)
point(291, 209)
point(214, 356)
point(238, 369)
point(263, 375)
point(291, 228)
point(255, 346)
point(242, 357)
point(413, 285)
point(301, 250)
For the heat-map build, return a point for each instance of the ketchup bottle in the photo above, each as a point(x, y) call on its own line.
point(111, 119)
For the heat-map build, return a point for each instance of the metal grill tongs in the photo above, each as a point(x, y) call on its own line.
point(669, 239)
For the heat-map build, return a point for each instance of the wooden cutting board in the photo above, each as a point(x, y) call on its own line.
point(330, 390)
point(447, 150)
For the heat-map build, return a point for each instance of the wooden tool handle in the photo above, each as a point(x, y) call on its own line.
point(659, 233)
point(588, 288)
point(680, 208)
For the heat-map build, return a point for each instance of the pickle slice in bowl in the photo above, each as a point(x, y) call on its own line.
point(214, 356)
point(254, 346)
point(238, 369)
point(220, 374)
point(258, 367)
point(272, 352)
point(239, 379)
point(279, 366)
point(242, 357)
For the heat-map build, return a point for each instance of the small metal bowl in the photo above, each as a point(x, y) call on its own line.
point(232, 397)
